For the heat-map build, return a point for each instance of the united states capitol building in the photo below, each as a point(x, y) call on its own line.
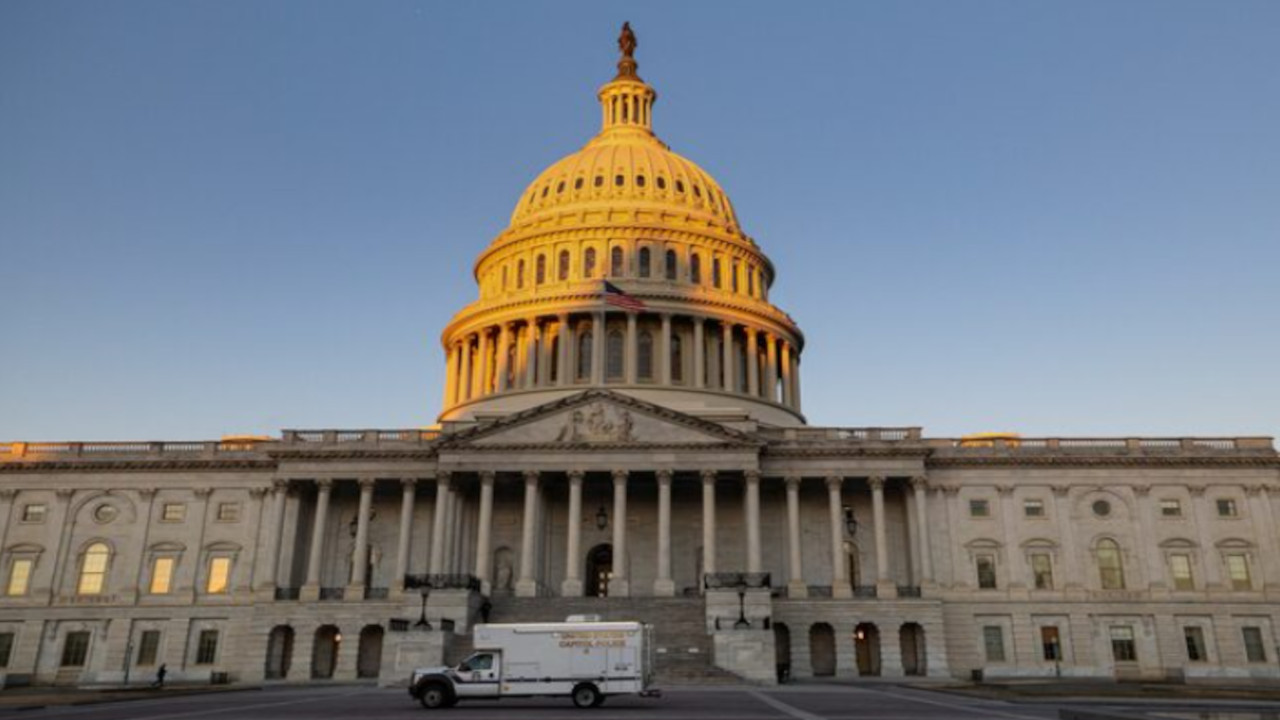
point(637, 454)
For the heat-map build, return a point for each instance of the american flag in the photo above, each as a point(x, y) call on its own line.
point(613, 295)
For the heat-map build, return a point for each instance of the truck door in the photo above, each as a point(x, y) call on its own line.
point(477, 676)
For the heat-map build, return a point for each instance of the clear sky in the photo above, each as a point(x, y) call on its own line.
point(1055, 218)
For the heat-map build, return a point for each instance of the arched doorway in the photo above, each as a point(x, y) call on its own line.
point(782, 650)
point(822, 650)
point(866, 645)
point(369, 655)
point(324, 654)
point(279, 652)
point(911, 637)
point(599, 570)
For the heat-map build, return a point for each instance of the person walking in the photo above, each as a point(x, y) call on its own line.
point(160, 673)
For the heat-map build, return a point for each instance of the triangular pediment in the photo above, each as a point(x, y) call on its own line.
point(599, 419)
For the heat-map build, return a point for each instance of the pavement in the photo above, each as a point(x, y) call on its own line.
point(800, 702)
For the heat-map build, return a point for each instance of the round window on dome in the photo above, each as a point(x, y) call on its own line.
point(679, 186)
point(662, 183)
point(599, 180)
point(1101, 508)
point(639, 181)
point(577, 184)
point(618, 180)
point(545, 190)
point(697, 191)
point(560, 187)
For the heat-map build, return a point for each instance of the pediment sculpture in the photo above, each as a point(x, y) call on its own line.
point(598, 423)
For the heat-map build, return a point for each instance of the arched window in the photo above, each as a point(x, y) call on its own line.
point(695, 268)
point(644, 355)
point(563, 270)
point(584, 355)
point(751, 281)
point(715, 272)
point(540, 270)
point(733, 277)
point(589, 263)
point(520, 274)
point(93, 571)
point(644, 262)
point(677, 359)
point(615, 262)
point(671, 265)
point(1110, 565)
point(614, 355)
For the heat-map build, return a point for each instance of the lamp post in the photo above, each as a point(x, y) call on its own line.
point(602, 518)
point(742, 623)
point(423, 622)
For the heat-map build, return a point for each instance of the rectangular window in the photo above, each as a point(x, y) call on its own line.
point(34, 513)
point(1227, 507)
point(1042, 570)
point(19, 577)
point(993, 641)
point(1033, 508)
point(715, 272)
point(1171, 507)
point(1238, 569)
point(1123, 648)
point(986, 572)
point(173, 512)
point(75, 648)
point(148, 647)
point(1194, 638)
point(207, 647)
point(1254, 650)
point(228, 512)
point(219, 574)
point(1051, 643)
point(1180, 569)
point(6, 648)
point(979, 508)
point(161, 576)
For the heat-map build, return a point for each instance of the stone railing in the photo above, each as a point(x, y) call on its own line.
point(363, 437)
point(837, 434)
point(442, 581)
point(1126, 446)
point(734, 581)
point(109, 450)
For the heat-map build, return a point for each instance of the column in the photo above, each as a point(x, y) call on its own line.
point(437, 523)
point(480, 381)
point(504, 356)
point(1015, 574)
point(699, 353)
point(795, 381)
point(279, 495)
point(632, 353)
point(360, 554)
point(620, 584)
point(920, 485)
point(452, 361)
point(727, 364)
point(664, 586)
point(324, 485)
point(771, 368)
point(531, 354)
point(484, 533)
point(753, 362)
point(565, 371)
point(752, 490)
point(708, 524)
point(840, 587)
point(448, 556)
point(796, 587)
point(464, 376)
point(664, 362)
point(885, 587)
point(572, 585)
point(786, 374)
point(527, 585)
point(597, 347)
point(408, 490)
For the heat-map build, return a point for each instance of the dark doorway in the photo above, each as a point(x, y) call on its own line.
point(369, 655)
point(599, 570)
point(911, 637)
point(782, 650)
point(822, 650)
point(279, 652)
point(866, 643)
point(324, 655)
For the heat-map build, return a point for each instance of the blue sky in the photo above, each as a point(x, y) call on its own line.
point(1052, 218)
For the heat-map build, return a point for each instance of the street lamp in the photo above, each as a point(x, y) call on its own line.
point(742, 623)
point(850, 523)
point(423, 622)
point(602, 518)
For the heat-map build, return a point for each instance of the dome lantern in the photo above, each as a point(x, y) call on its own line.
point(626, 102)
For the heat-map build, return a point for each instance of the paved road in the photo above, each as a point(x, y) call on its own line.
point(813, 702)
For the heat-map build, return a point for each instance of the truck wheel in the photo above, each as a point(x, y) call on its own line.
point(434, 695)
point(586, 695)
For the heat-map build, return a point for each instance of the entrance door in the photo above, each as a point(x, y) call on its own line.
point(599, 570)
point(369, 655)
point(911, 637)
point(866, 641)
point(822, 650)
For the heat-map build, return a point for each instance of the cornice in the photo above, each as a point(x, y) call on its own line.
point(1102, 461)
point(849, 451)
point(135, 465)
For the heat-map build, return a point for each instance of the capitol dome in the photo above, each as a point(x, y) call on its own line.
point(624, 266)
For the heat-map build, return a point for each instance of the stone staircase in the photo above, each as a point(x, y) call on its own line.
point(682, 648)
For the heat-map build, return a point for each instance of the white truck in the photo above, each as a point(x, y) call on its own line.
point(585, 660)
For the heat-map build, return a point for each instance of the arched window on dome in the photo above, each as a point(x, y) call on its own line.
point(733, 276)
point(695, 269)
point(751, 281)
point(672, 267)
point(662, 183)
point(563, 270)
point(540, 270)
point(644, 355)
point(677, 359)
point(1110, 564)
point(644, 262)
point(585, 345)
point(93, 569)
point(589, 263)
point(520, 274)
point(614, 346)
point(716, 280)
point(577, 184)
point(615, 262)
point(505, 279)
